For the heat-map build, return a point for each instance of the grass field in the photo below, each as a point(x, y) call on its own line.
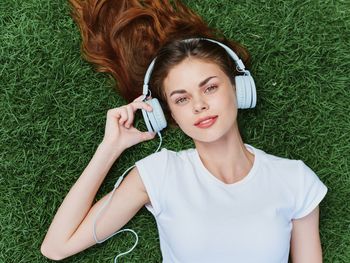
point(53, 106)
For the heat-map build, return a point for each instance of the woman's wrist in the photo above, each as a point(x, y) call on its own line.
point(114, 150)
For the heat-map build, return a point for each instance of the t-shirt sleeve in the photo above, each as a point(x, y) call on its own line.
point(310, 191)
point(152, 171)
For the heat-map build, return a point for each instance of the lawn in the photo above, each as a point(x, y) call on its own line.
point(53, 109)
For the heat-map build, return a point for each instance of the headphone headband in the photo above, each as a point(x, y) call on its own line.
point(239, 63)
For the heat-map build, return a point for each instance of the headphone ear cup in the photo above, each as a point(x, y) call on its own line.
point(245, 91)
point(155, 120)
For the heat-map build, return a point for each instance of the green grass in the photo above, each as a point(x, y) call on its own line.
point(53, 108)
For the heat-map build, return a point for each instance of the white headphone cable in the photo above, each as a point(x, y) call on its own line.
point(116, 185)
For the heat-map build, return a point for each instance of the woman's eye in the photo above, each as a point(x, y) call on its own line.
point(210, 88)
point(180, 100)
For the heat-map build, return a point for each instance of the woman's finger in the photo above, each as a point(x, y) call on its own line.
point(123, 115)
point(130, 112)
point(141, 105)
point(147, 135)
point(140, 98)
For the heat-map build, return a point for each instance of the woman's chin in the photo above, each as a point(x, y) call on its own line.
point(212, 134)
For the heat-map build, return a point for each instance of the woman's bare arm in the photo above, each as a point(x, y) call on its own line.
point(71, 229)
point(305, 242)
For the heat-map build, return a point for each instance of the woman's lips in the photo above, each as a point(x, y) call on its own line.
point(206, 122)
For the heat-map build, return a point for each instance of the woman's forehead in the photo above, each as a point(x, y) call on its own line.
point(189, 72)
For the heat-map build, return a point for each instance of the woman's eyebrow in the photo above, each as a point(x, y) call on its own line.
point(201, 84)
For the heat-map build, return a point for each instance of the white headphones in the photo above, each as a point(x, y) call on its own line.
point(245, 91)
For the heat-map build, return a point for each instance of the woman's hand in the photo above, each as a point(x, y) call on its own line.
point(119, 129)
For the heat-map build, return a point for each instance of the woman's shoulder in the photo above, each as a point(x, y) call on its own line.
point(289, 170)
point(283, 169)
point(278, 161)
point(166, 155)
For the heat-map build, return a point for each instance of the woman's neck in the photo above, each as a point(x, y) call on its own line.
point(227, 158)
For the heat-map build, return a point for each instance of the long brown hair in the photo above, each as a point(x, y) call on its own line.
point(122, 37)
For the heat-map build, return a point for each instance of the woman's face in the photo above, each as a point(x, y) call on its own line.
point(202, 99)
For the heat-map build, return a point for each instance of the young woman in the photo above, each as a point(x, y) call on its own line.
point(222, 201)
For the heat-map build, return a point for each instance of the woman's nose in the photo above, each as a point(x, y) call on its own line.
point(200, 105)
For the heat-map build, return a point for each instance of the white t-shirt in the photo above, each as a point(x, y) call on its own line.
point(202, 219)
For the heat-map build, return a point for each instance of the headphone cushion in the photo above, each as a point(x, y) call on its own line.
point(155, 120)
point(253, 92)
point(147, 120)
point(240, 91)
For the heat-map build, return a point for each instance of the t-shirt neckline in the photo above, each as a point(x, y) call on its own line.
point(241, 182)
